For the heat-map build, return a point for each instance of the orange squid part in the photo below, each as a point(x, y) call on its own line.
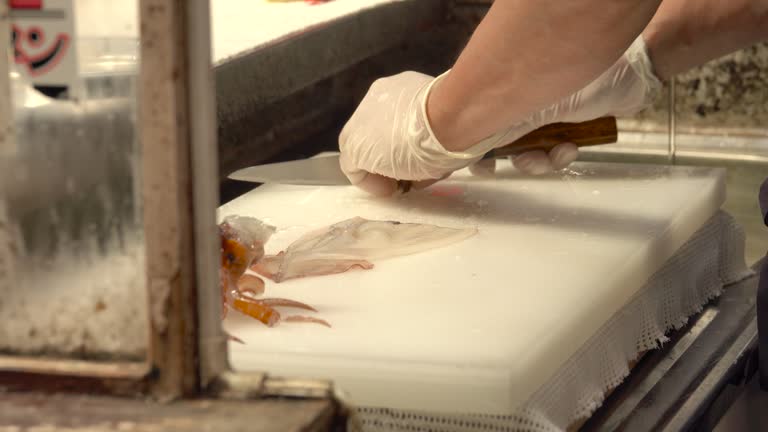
point(257, 310)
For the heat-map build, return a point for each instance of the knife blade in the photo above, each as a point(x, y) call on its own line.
point(325, 170)
point(317, 171)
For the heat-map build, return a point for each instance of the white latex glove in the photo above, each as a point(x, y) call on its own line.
point(389, 137)
point(627, 87)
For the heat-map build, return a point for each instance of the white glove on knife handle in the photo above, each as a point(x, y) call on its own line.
point(389, 136)
point(627, 87)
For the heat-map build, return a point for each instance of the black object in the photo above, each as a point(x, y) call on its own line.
point(762, 325)
point(690, 383)
point(55, 92)
point(764, 201)
point(762, 300)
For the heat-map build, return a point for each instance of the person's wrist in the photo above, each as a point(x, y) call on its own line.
point(457, 119)
point(656, 41)
point(441, 117)
point(444, 117)
point(645, 70)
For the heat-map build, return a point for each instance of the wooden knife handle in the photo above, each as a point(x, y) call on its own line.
point(594, 132)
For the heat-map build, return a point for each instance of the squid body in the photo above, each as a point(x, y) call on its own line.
point(352, 243)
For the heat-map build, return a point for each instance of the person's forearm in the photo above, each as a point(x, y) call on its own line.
point(687, 33)
point(524, 56)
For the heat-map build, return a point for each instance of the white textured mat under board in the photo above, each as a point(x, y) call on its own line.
point(480, 325)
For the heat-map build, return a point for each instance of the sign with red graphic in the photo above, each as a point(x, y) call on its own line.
point(26, 4)
point(42, 38)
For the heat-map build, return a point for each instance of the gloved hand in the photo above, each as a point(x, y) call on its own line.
point(389, 136)
point(626, 88)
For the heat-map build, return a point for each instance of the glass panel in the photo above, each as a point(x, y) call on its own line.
point(72, 241)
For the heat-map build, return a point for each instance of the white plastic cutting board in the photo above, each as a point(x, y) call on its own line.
point(480, 325)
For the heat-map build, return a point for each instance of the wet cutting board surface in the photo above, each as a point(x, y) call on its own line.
point(479, 325)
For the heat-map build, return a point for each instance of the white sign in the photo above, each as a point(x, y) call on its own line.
point(43, 36)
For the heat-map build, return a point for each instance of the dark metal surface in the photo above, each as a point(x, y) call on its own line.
point(693, 379)
point(762, 299)
point(762, 323)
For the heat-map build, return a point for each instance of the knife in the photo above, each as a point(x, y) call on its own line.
point(325, 170)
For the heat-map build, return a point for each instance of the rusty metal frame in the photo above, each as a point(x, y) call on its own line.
point(164, 120)
point(29, 373)
point(177, 132)
point(179, 129)
point(171, 370)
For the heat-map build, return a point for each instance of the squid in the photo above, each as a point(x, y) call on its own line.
point(354, 243)
point(338, 248)
point(242, 243)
